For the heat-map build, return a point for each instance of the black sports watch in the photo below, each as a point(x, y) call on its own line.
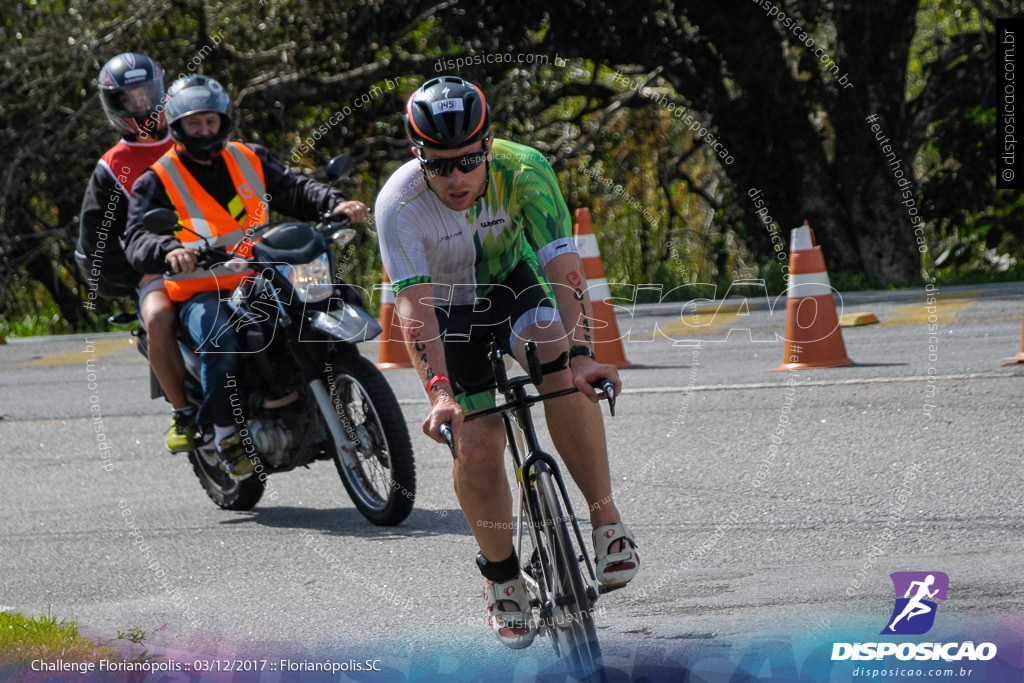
point(580, 350)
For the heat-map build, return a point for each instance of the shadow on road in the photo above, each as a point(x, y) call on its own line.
point(349, 522)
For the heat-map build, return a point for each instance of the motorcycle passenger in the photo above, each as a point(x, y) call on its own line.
point(481, 225)
point(131, 88)
point(219, 189)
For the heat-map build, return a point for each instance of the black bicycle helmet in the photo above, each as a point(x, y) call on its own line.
point(131, 89)
point(192, 95)
point(447, 113)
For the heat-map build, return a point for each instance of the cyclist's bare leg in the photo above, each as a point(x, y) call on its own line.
point(161, 321)
point(577, 429)
point(481, 486)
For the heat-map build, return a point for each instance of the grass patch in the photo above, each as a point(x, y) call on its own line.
point(47, 638)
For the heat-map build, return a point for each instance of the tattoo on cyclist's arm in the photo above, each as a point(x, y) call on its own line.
point(421, 349)
point(578, 295)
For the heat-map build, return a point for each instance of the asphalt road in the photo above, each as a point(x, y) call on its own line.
point(769, 507)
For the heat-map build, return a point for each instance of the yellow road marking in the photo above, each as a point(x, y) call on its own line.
point(944, 309)
point(91, 351)
point(704, 319)
point(711, 319)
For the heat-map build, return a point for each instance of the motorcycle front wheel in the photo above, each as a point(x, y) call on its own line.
point(381, 479)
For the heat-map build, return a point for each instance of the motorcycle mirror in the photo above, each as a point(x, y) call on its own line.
point(340, 167)
point(160, 221)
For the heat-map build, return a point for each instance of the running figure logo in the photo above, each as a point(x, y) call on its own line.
point(914, 612)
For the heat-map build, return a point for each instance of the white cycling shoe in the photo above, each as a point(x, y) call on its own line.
point(615, 569)
point(514, 629)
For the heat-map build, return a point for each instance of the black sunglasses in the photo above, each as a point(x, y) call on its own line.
point(444, 167)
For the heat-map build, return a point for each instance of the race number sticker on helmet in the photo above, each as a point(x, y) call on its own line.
point(443, 106)
point(447, 113)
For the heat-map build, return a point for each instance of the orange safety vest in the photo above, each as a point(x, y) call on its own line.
point(201, 213)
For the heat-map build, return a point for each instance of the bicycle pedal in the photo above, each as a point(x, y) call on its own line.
point(533, 566)
point(602, 589)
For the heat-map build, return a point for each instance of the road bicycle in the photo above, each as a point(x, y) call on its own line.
point(561, 592)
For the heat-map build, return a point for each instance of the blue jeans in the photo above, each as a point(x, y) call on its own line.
point(213, 334)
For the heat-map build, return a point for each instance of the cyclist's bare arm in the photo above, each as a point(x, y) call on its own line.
point(565, 272)
point(423, 341)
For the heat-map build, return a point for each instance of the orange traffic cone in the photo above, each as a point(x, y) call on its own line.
point(1019, 358)
point(607, 339)
point(391, 353)
point(813, 337)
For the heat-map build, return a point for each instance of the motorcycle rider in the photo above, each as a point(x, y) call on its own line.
point(221, 190)
point(131, 87)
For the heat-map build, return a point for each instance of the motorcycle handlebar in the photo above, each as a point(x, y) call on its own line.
point(331, 221)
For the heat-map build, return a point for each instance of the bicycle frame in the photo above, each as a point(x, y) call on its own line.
point(563, 595)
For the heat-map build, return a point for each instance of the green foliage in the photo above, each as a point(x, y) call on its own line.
point(24, 639)
point(32, 311)
point(134, 634)
point(310, 79)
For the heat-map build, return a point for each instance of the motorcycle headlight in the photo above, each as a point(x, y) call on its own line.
point(312, 281)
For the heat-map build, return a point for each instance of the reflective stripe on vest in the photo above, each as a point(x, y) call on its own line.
point(201, 213)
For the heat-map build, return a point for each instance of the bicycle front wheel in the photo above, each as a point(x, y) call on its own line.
point(572, 621)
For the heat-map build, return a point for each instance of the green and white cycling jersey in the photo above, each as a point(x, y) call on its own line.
point(522, 217)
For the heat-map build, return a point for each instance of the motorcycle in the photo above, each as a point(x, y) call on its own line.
point(304, 392)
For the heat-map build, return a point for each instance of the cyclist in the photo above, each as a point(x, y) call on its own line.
point(476, 237)
point(131, 89)
point(221, 190)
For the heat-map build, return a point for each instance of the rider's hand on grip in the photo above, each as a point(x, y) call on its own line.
point(446, 412)
point(181, 260)
point(589, 376)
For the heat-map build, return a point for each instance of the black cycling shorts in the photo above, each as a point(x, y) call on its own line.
point(525, 298)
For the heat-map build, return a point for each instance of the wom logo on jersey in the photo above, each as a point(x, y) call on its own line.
point(914, 613)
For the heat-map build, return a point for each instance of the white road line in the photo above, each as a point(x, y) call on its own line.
point(821, 383)
point(683, 389)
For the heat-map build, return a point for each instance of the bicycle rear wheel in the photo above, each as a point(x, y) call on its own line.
point(572, 624)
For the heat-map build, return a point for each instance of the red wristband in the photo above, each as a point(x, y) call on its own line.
point(438, 378)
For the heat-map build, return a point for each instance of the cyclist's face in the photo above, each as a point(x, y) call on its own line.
point(459, 191)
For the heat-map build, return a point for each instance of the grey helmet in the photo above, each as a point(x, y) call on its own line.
point(192, 95)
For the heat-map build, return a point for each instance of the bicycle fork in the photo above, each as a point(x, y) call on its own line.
point(529, 500)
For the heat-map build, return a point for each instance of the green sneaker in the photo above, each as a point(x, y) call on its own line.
point(233, 458)
point(181, 435)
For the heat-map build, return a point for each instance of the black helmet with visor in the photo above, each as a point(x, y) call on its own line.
point(131, 90)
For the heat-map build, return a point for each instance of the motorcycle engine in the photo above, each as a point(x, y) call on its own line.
point(273, 439)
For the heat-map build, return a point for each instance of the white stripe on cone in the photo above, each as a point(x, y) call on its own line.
point(586, 245)
point(812, 284)
point(800, 239)
point(598, 289)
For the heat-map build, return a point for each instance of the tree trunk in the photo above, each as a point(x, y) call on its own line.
point(874, 45)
